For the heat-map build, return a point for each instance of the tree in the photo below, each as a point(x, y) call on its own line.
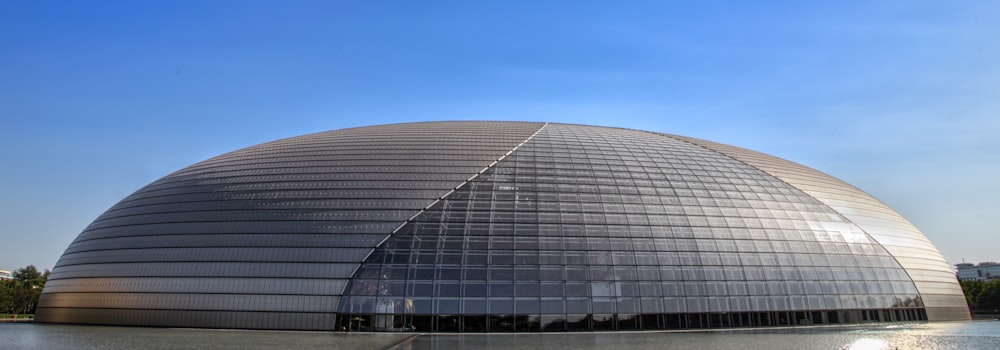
point(7, 296)
point(20, 294)
point(26, 274)
point(989, 300)
point(982, 296)
point(973, 289)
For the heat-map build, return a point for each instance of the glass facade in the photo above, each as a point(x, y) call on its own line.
point(931, 274)
point(481, 227)
point(609, 226)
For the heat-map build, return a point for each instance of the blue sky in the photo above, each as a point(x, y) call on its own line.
point(900, 98)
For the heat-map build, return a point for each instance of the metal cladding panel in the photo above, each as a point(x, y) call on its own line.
point(589, 221)
point(192, 318)
point(545, 221)
point(256, 237)
point(933, 276)
point(196, 285)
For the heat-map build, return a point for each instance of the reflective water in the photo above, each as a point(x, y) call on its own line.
point(958, 335)
point(963, 335)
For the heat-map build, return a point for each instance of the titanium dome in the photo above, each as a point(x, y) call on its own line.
point(498, 227)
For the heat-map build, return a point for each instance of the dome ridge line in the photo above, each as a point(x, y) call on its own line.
point(445, 196)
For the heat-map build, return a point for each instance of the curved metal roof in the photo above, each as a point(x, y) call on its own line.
point(490, 218)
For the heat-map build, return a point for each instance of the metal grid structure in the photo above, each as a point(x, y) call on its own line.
point(496, 226)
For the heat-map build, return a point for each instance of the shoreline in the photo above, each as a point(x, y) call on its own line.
point(17, 320)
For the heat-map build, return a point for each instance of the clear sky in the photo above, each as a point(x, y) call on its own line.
point(899, 98)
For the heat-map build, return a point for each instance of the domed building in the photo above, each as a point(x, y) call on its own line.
point(498, 227)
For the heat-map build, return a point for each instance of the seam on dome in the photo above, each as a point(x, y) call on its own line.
point(839, 214)
point(444, 196)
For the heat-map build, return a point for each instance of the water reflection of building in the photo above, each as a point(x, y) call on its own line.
point(984, 271)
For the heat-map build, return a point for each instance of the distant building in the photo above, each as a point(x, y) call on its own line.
point(4, 275)
point(984, 271)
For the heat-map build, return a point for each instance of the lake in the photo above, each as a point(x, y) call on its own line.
point(944, 335)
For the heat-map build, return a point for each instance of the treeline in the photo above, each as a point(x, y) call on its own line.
point(983, 297)
point(19, 295)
